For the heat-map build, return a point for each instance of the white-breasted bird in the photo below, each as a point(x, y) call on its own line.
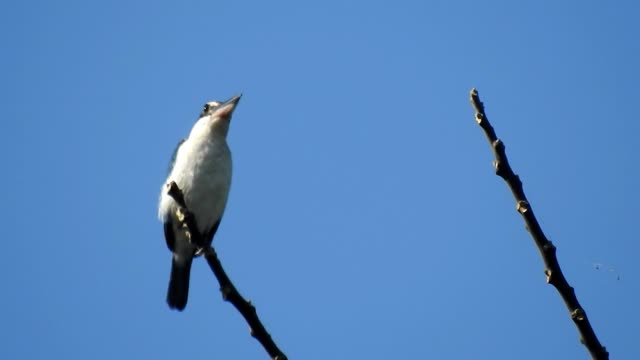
point(201, 167)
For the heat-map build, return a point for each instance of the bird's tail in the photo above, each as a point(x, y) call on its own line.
point(178, 292)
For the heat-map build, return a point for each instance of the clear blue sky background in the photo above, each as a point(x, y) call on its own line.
point(365, 221)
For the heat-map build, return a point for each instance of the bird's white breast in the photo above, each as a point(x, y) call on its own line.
point(202, 170)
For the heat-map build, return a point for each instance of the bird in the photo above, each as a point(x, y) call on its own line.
point(201, 166)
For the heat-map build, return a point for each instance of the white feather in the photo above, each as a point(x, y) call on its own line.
point(202, 169)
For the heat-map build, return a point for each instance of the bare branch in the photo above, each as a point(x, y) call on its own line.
point(547, 250)
point(228, 290)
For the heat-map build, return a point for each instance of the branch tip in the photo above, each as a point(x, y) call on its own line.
point(475, 101)
point(547, 250)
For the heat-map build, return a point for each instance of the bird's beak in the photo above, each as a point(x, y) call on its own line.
point(226, 109)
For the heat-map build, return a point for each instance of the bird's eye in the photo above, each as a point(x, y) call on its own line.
point(206, 107)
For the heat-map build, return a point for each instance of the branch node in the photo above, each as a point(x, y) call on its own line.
point(180, 215)
point(522, 206)
point(225, 291)
point(549, 248)
point(578, 314)
point(498, 145)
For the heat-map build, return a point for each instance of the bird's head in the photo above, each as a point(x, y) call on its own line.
point(217, 115)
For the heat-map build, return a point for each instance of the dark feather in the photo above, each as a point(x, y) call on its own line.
point(209, 236)
point(178, 292)
point(169, 236)
point(174, 155)
point(209, 108)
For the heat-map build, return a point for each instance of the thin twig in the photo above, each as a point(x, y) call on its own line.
point(547, 250)
point(228, 290)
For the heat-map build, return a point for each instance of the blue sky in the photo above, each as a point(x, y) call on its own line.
point(364, 221)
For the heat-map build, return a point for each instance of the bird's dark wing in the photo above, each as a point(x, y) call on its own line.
point(208, 237)
point(169, 236)
point(174, 155)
